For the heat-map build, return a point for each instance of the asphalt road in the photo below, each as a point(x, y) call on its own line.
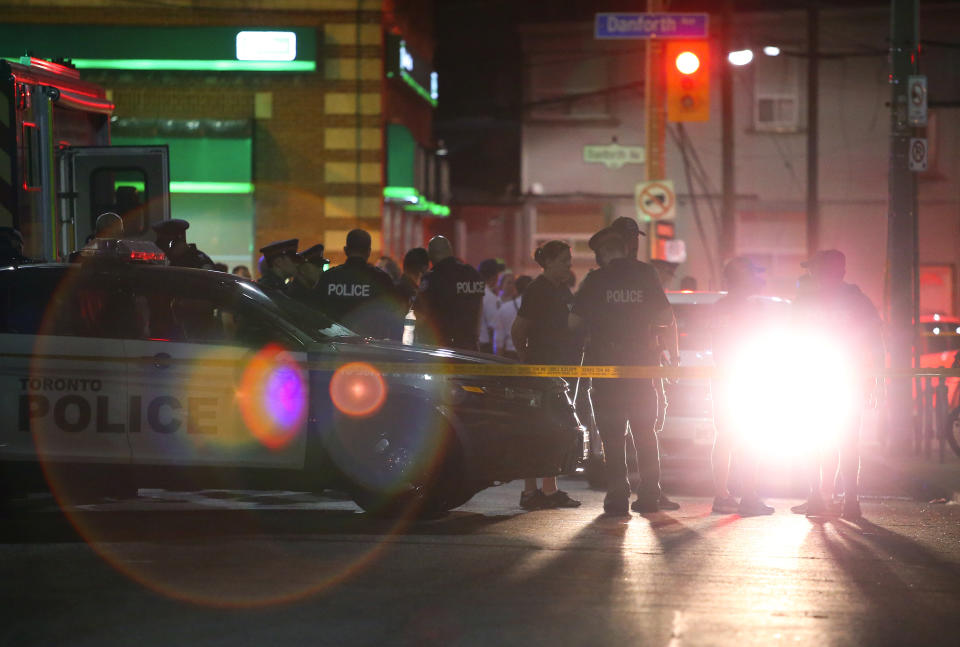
point(237, 569)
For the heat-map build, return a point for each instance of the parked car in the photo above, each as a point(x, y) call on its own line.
point(117, 375)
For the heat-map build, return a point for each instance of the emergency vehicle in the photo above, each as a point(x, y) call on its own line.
point(119, 373)
point(58, 171)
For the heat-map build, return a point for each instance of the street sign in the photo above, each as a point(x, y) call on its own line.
point(655, 200)
point(614, 156)
point(917, 93)
point(918, 154)
point(608, 26)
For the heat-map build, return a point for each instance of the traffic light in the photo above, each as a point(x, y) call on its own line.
point(661, 232)
point(688, 80)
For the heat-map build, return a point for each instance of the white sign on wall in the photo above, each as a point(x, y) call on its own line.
point(917, 100)
point(918, 154)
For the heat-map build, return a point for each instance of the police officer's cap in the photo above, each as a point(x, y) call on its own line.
point(626, 227)
point(171, 228)
point(314, 255)
point(605, 237)
point(279, 248)
point(490, 267)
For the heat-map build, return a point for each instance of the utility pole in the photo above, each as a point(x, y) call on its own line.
point(901, 219)
point(813, 130)
point(728, 214)
point(654, 99)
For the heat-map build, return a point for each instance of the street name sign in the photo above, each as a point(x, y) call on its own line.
point(611, 26)
point(614, 156)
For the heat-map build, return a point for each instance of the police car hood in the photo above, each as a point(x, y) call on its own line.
point(391, 351)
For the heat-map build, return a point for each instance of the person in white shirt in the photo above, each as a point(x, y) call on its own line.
point(511, 291)
point(489, 270)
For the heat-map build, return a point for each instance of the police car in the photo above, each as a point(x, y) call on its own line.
point(119, 372)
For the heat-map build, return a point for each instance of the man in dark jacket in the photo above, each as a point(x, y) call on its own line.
point(450, 299)
point(172, 241)
point(359, 295)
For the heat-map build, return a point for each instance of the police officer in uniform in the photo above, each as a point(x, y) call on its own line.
point(735, 316)
point(841, 311)
point(450, 299)
point(620, 304)
point(172, 241)
point(359, 295)
point(668, 340)
point(309, 270)
point(279, 265)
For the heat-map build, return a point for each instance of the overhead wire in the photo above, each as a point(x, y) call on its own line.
point(682, 145)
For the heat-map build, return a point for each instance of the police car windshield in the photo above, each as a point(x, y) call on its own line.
point(310, 320)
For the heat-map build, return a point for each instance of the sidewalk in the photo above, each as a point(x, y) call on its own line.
point(914, 476)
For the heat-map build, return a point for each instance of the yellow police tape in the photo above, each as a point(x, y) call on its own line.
point(466, 369)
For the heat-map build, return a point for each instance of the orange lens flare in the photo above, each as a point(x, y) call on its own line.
point(357, 389)
point(273, 397)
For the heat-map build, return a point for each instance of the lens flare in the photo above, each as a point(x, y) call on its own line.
point(357, 389)
point(785, 387)
point(273, 397)
point(191, 526)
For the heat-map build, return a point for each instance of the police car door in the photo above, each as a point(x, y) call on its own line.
point(196, 377)
point(63, 392)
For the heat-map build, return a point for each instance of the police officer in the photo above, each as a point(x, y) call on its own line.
point(416, 262)
point(620, 304)
point(735, 317)
point(841, 311)
point(279, 265)
point(359, 295)
point(309, 271)
point(450, 299)
point(172, 241)
point(668, 340)
point(541, 335)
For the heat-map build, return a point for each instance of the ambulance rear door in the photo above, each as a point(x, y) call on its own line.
point(132, 181)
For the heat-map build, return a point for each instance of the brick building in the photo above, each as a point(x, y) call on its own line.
point(319, 122)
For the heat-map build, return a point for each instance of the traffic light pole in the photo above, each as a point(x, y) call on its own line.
point(654, 99)
point(813, 129)
point(902, 219)
point(728, 218)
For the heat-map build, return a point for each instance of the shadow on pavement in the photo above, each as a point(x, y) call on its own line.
point(895, 576)
point(54, 526)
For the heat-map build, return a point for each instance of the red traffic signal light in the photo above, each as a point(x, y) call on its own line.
point(687, 62)
point(688, 80)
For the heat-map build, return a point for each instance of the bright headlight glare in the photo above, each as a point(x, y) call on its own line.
point(785, 391)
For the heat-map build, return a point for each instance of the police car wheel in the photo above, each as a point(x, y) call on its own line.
point(426, 493)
